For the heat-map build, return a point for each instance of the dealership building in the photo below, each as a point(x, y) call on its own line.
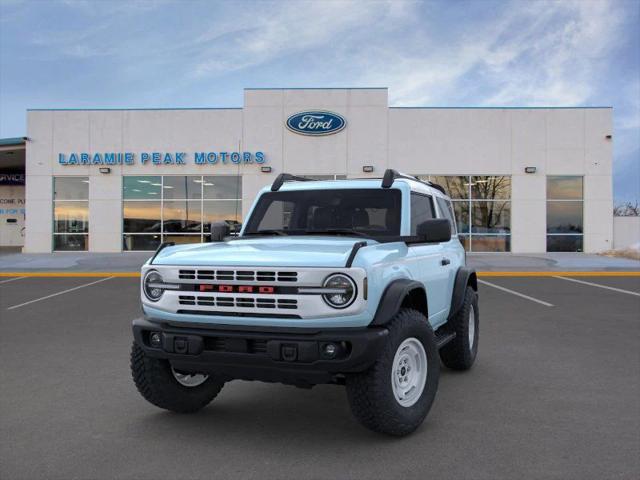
point(110, 180)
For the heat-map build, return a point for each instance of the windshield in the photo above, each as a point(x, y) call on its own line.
point(359, 212)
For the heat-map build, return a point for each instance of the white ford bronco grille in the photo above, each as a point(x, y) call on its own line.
point(240, 302)
point(259, 292)
point(238, 275)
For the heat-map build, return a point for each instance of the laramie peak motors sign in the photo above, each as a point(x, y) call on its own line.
point(316, 122)
point(160, 158)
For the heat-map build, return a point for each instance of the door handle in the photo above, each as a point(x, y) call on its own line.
point(445, 261)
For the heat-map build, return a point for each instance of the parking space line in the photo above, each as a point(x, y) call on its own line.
point(620, 290)
point(12, 279)
point(513, 292)
point(59, 293)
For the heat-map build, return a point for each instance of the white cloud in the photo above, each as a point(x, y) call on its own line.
point(533, 53)
point(273, 30)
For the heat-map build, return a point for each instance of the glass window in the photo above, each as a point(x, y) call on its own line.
point(456, 186)
point(177, 208)
point(564, 217)
point(564, 243)
point(564, 188)
point(141, 188)
point(490, 187)
point(71, 217)
point(465, 240)
point(140, 242)
point(221, 211)
point(70, 213)
point(182, 238)
point(482, 206)
point(447, 211)
point(564, 213)
point(226, 187)
point(461, 210)
point(374, 212)
point(65, 243)
point(491, 243)
point(182, 187)
point(421, 210)
point(182, 216)
point(491, 217)
point(71, 188)
point(141, 217)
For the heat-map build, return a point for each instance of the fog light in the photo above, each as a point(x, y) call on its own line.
point(155, 339)
point(330, 350)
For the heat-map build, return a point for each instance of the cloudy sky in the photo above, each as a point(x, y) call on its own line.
point(102, 53)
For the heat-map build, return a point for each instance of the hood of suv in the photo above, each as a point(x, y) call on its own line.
point(294, 251)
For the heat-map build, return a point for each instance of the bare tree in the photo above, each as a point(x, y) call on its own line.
point(627, 209)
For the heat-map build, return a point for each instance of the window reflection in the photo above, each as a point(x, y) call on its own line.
point(457, 187)
point(564, 217)
point(140, 242)
point(490, 187)
point(564, 188)
point(564, 243)
point(465, 241)
point(172, 208)
point(63, 243)
point(482, 205)
point(142, 187)
point(139, 217)
point(491, 243)
point(222, 187)
point(462, 216)
point(491, 217)
point(71, 217)
point(183, 238)
point(182, 187)
point(564, 213)
point(220, 211)
point(182, 216)
point(71, 188)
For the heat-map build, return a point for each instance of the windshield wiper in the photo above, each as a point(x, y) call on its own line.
point(337, 231)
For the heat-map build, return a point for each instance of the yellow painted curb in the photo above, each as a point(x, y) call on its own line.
point(480, 274)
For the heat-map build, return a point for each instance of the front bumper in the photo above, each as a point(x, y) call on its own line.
point(293, 356)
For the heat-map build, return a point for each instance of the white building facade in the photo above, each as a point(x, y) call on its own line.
point(522, 179)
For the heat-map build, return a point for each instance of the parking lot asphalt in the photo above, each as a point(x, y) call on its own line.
point(554, 394)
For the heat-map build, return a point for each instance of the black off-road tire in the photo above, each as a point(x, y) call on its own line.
point(156, 383)
point(370, 393)
point(458, 354)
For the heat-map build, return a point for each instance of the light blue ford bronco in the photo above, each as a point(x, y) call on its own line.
point(356, 282)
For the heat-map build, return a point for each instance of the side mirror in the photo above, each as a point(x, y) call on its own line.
point(219, 230)
point(437, 230)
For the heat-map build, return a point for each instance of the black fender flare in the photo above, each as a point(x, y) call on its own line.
point(393, 297)
point(464, 276)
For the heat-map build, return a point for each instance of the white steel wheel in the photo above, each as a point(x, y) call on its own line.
point(472, 327)
point(189, 379)
point(409, 372)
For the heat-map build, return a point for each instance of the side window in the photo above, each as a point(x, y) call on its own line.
point(421, 210)
point(447, 211)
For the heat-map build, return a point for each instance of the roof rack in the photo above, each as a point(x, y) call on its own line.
point(390, 175)
point(286, 177)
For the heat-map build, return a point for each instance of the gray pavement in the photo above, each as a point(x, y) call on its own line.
point(13, 261)
point(554, 394)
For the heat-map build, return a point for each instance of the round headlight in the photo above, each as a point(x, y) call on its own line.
point(150, 286)
point(343, 291)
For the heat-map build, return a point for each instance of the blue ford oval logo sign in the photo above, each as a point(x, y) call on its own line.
point(316, 122)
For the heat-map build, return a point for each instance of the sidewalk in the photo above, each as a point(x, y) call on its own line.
point(482, 262)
